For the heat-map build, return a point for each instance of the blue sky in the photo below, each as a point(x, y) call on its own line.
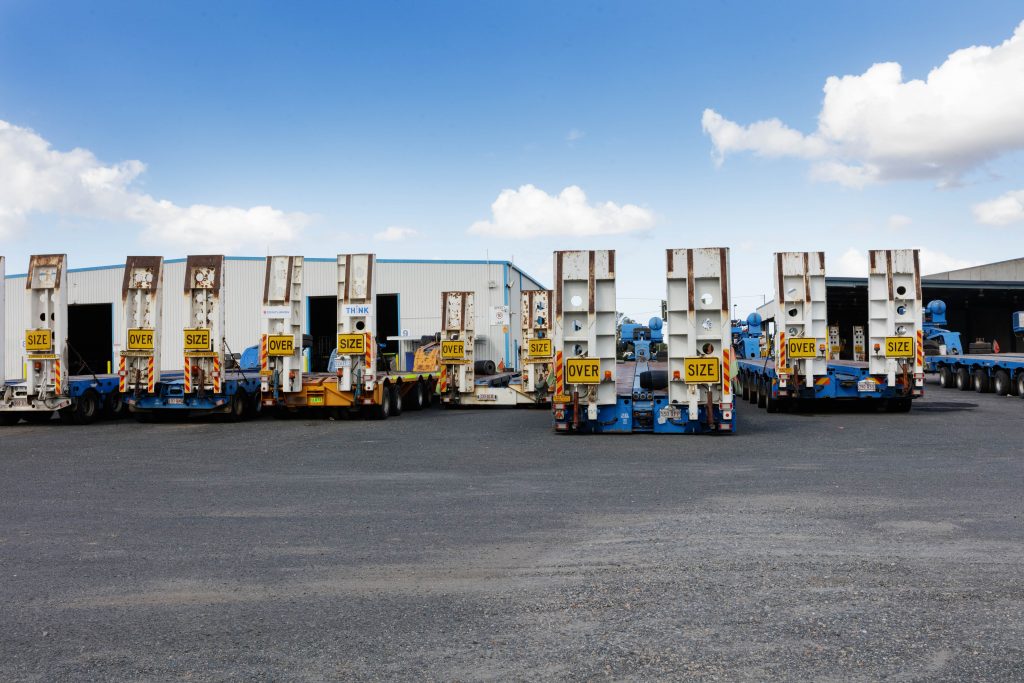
point(352, 119)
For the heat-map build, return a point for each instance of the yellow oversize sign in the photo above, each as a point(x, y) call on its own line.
point(453, 350)
point(583, 371)
point(140, 339)
point(702, 371)
point(802, 347)
point(539, 348)
point(38, 340)
point(351, 344)
point(899, 347)
point(197, 340)
point(280, 344)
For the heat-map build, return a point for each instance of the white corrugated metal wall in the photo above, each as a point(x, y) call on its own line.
point(418, 285)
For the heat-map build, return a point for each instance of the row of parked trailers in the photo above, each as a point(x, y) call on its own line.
point(568, 354)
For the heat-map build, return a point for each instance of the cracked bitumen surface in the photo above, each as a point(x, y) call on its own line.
point(474, 545)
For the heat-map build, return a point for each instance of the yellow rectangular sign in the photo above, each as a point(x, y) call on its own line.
point(351, 344)
point(702, 370)
point(38, 340)
point(453, 349)
point(539, 348)
point(802, 347)
point(140, 339)
point(583, 371)
point(197, 340)
point(899, 347)
point(280, 344)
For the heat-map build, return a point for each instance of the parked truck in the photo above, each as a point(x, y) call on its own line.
point(212, 380)
point(689, 392)
point(1001, 373)
point(358, 379)
point(280, 352)
point(466, 381)
point(47, 384)
point(799, 364)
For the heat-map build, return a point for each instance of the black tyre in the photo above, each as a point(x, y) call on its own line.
point(114, 407)
point(1001, 383)
point(417, 396)
point(654, 379)
point(86, 408)
point(752, 393)
point(771, 404)
point(239, 406)
point(744, 389)
point(762, 395)
point(947, 380)
point(396, 399)
point(382, 411)
point(963, 379)
point(980, 381)
point(1019, 384)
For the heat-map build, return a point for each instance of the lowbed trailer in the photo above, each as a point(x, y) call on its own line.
point(357, 380)
point(690, 393)
point(78, 399)
point(212, 381)
point(1001, 373)
point(466, 382)
point(797, 366)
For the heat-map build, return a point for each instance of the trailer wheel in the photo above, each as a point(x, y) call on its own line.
point(396, 399)
point(1001, 383)
point(762, 395)
point(771, 404)
point(86, 408)
point(417, 396)
point(238, 407)
point(744, 388)
point(382, 411)
point(752, 392)
point(114, 407)
point(1019, 384)
point(963, 379)
point(981, 381)
point(946, 378)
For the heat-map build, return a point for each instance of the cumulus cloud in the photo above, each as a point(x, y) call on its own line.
point(532, 212)
point(35, 178)
point(898, 221)
point(394, 234)
point(1003, 210)
point(854, 263)
point(877, 127)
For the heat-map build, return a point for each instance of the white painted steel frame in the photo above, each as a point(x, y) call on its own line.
point(283, 293)
point(800, 294)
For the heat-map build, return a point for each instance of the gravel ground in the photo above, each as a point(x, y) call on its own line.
point(475, 545)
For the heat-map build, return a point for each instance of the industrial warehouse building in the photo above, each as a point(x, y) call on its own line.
point(408, 305)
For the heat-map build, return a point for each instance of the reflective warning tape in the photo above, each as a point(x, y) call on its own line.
point(369, 352)
point(216, 374)
point(920, 350)
point(56, 376)
point(443, 380)
point(726, 378)
point(150, 375)
point(822, 381)
point(188, 375)
point(559, 379)
point(122, 375)
point(782, 349)
point(264, 363)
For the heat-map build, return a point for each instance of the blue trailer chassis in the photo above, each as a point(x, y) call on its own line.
point(1002, 373)
point(103, 399)
point(843, 381)
point(170, 398)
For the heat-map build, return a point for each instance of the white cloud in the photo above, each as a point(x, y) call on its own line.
point(532, 212)
point(394, 234)
point(1003, 210)
point(877, 127)
point(937, 262)
point(574, 135)
point(898, 221)
point(35, 178)
point(854, 263)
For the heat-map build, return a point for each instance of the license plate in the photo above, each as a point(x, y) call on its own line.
point(453, 349)
point(702, 371)
point(176, 401)
point(867, 386)
point(899, 347)
point(487, 397)
point(670, 413)
point(316, 400)
point(583, 371)
point(802, 347)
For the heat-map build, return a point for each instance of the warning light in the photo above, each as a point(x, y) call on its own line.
point(675, 374)
point(608, 375)
point(37, 365)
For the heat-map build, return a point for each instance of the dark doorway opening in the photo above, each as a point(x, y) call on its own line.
point(323, 328)
point(387, 322)
point(90, 338)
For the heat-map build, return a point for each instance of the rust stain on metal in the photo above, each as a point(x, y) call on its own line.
point(611, 263)
point(591, 285)
point(723, 274)
point(216, 262)
point(871, 259)
point(558, 282)
point(668, 260)
point(917, 273)
point(780, 287)
point(40, 260)
point(888, 268)
point(370, 258)
point(689, 280)
point(153, 263)
point(807, 277)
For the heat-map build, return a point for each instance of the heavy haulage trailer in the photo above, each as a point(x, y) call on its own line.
point(689, 392)
point(359, 380)
point(464, 381)
point(48, 385)
point(1001, 373)
point(799, 363)
point(211, 381)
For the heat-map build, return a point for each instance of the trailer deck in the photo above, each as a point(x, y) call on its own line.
point(1002, 373)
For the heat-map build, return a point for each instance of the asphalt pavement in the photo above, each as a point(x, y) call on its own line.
point(479, 545)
